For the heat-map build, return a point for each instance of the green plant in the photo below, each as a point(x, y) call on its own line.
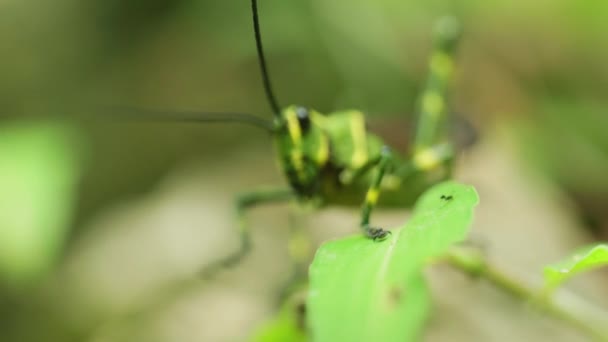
point(364, 291)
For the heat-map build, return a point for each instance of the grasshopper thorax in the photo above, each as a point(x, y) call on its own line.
point(303, 148)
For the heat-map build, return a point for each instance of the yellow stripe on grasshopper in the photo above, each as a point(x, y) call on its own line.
point(294, 128)
point(357, 131)
point(297, 160)
point(426, 159)
point(297, 157)
point(442, 65)
point(432, 104)
point(323, 152)
point(372, 196)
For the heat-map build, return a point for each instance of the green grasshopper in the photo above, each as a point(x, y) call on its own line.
point(333, 160)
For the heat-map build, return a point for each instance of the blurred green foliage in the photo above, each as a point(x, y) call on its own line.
point(583, 260)
point(39, 171)
point(533, 68)
point(288, 325)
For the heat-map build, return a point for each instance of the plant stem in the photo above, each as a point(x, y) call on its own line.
point(474, 264)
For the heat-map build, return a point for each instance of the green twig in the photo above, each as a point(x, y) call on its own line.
point(474, 264)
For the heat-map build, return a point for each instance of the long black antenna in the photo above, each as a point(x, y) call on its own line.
point(148, 115)
point(265, 76)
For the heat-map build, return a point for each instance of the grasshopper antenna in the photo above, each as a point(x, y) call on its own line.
point(265, 75)
point(139, 114)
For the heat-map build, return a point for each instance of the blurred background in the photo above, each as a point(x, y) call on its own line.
point(104, 224)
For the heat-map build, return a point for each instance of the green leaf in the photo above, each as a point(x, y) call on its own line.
point(585, 259)
point(361, 290)
point(39, 168)
point(288, 325)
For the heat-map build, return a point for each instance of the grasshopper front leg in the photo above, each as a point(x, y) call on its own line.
point(372, 196)
point(245, 202)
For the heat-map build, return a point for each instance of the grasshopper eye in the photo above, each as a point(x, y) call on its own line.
point(303, 118)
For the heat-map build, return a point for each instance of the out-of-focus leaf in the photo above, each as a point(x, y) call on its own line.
point(361, 290)
point(288, 325)
point(39, 167)
point(586, 259)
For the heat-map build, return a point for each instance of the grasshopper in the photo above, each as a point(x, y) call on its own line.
point(331, 159)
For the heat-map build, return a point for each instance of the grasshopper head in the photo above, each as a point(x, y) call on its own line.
point(303, 147)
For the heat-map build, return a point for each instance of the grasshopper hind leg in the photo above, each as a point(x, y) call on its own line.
point(245, 202)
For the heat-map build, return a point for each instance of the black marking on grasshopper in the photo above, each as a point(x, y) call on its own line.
point(303, 119)
point(446, 198)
